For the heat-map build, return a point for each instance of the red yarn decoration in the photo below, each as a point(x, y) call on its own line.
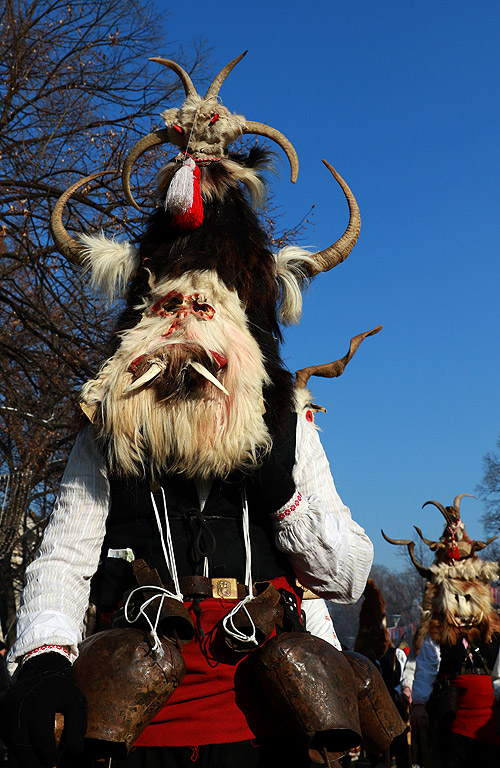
point(193, 218)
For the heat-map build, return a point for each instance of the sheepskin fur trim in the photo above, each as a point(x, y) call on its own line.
point(111, 264)
point(292, 276)
point(180, 422)
point(471, 568)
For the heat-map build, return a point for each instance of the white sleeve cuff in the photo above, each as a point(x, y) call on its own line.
point(43, 628)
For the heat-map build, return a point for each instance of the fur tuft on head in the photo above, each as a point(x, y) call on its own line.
point(111, 264)
point(292, 275)
point(206, 126)
point(248, 169)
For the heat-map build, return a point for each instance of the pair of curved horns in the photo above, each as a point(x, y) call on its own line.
point(189, 88)
point(324, 260)
point(156, 138)
point(444, 510)
point(332, 370)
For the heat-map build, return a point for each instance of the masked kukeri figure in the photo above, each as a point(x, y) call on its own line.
point(374, 642)
point(195, 496)
point(454, 712)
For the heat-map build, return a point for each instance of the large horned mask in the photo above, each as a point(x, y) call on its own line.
point(457, 597)
point(196, 379)
point(203, 129)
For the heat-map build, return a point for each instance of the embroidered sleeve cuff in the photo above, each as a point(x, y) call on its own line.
point(43, 629)
point(287, 514)
point(61, 649)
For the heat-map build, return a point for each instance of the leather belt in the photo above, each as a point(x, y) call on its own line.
point(200, 587)
point(476, 671)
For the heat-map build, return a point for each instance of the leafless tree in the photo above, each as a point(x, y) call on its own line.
point(76, 90)
point(402, 592)
point(488, 490)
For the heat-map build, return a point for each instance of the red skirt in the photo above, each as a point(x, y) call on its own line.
point(477, 712)
point(218, 701)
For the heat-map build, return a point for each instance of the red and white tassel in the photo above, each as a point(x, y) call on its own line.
point(183, 198)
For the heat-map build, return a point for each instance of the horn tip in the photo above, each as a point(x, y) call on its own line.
point(336, 175)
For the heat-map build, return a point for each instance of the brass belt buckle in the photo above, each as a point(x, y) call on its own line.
point(227, 588)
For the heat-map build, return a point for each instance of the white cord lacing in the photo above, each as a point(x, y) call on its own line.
point(168, 554)
point(168, 550)
point(153, 627)
point(227, 621)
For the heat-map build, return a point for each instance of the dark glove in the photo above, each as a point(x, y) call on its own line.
point(43, 687)
point(271, 485)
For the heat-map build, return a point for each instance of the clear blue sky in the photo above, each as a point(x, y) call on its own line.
point(403, 99)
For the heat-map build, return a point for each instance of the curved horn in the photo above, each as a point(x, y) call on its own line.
point(331, 370)
point(189, 88)
point(147, 142)
point(478, 545)
point(65, 244)
point(457, 500)
point(425, 572)
point(399, 542)
point(433, 545)
point(214, 88)
point(341, 249)
point(261, 129)
point(442, 509)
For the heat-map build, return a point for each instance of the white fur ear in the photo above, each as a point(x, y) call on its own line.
point(169, 116)
point(292, 277)
point(111, 264)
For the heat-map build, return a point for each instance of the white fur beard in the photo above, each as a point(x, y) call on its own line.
point(208, 434)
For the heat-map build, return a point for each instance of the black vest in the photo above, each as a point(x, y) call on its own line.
point(216, 532)
point(456, 659)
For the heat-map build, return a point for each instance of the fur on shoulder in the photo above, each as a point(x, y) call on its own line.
point(292, 275)
point(111, 264)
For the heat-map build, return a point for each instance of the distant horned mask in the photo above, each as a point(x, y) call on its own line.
point(454, 545)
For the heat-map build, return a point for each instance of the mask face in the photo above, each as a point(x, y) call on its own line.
point(183, 392)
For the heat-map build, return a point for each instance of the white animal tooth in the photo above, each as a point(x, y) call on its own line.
point(146, 377)
point(199, 368)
